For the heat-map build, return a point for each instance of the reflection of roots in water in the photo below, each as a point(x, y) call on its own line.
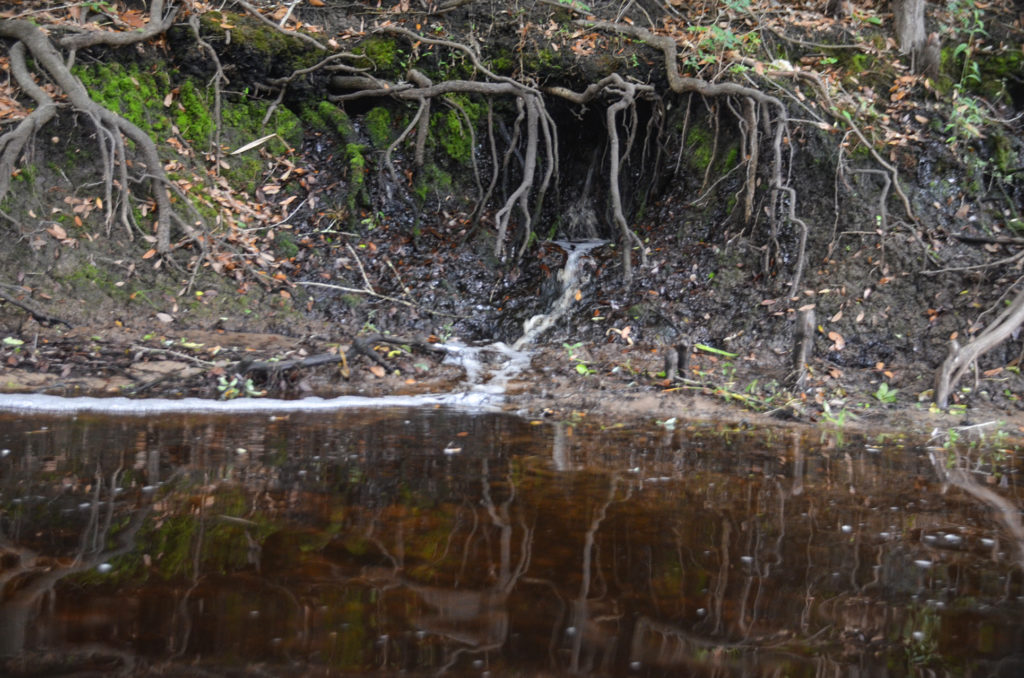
point(1007, 514)
point(657, 644)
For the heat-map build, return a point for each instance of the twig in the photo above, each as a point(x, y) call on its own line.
point(356, 290)
point(37, 315)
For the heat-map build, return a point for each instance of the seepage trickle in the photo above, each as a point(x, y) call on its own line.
point(571, 278)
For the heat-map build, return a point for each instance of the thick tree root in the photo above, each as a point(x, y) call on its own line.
point(112, 125)
point(960, 359)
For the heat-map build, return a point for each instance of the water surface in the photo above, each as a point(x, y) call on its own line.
point(434, 541)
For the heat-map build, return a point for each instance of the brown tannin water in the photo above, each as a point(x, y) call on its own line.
point(434, 541)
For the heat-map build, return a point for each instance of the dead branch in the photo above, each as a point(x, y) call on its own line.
point(37, 315)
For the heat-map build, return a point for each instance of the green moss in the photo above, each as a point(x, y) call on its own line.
point(449, 131)
point(91, 275)
point(137, 95)
point(502, 63)
point(244, 117)
point(356, 177)
point(543, 59)
point(432, 179)
point(732, 155)
point(243, 122)
point(994, 70)
point(194, 120)
point(381, 52)
point(378, 126)
point(26, 175)
point(325, 116)
point(356, 163)
point(285, 245)
point(278, 51)
point(699, 144)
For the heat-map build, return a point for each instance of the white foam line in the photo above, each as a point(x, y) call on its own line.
point(34, 402)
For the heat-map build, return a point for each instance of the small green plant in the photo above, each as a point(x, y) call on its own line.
point(579, 364)
point(837, 419)
point(236, 388)
point(575, 4)
point(884, 394)
point(13, 342)
point(372, 220)
point(446, 332)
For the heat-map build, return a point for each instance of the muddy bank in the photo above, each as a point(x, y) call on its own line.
point(610, 383)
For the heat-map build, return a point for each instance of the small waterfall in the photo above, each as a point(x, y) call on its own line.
point(571, 278)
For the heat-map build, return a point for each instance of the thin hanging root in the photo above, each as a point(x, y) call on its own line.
point(629, 238)
point(627, 93)
point(521, 195)
point(472, 145)
point(528, 100)
point(750, 117)
point(683, 134)
point(716, 124)
point(681, 84)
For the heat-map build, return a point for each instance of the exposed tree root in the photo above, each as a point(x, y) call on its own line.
point(111, 125)
point(540, 128)
point(783, 200)
point(960, 359)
